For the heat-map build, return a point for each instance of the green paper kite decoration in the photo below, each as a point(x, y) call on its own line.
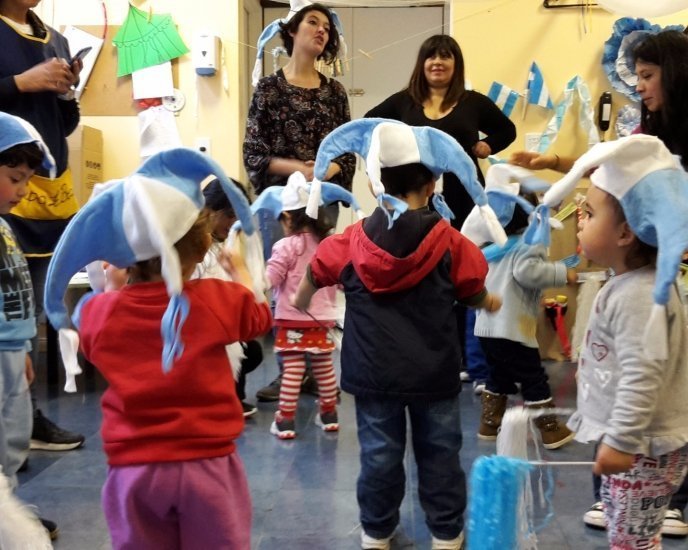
point(145, 40)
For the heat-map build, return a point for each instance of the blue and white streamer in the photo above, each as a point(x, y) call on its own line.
point(587, 118)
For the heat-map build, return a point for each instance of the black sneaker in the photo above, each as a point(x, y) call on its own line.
point(47, 436)
point(309, 386)
point(271, 391)
point(249, 410)
point(283, 428)
point(327, 421)
point(51, 527)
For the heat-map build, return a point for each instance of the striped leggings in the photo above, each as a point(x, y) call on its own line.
point(292, 376)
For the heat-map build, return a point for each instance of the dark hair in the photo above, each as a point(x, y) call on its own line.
point(642, 253)
point(418, 87)
point(299, 220)
point(216, 199)
point(192, 246)
point(404, 179)
point(668, 50)
point(519, 221)
point(24, 153)
point(329, 53)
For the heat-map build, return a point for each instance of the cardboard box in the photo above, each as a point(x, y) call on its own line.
point(85, 160)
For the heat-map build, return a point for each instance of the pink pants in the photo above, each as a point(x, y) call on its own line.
point(636, 501)
point(179, 505)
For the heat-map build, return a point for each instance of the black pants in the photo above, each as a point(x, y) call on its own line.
point(510, 362)
point(254, 357)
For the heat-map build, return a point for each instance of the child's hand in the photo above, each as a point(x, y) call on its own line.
point(232, 261)
point(610, 461)
point(491, 303)
point(28, 369)
point(571, 277)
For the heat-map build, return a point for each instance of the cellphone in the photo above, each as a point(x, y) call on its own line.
point(83, 52)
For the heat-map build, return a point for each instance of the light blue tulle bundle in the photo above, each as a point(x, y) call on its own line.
point(496, 508)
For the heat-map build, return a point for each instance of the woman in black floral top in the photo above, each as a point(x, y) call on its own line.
point(295, 108)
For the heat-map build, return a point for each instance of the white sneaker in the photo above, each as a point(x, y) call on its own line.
point(674, 525)
point(454, 544)
point(369, 543)
point(465, 377)
point(594, 517)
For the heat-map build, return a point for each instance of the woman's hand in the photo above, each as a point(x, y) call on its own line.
point(332, 171)
point(482, 150)
point(52, 75)
point(533, 161)
point(610, 461)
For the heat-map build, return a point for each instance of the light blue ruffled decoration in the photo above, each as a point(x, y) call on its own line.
point(627, 33)
point(627, 120)
point(497, 485)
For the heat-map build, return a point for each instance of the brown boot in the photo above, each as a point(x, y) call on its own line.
point(494, 405)
point(554, 433)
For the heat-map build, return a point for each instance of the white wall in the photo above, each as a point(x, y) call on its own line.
point(210, 110)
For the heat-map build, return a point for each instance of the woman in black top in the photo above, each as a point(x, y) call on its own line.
point(436, 96)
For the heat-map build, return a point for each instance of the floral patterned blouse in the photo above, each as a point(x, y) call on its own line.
point(290, 122)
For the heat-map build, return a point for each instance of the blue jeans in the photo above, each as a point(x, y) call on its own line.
point(436, 438)
point(476, 363)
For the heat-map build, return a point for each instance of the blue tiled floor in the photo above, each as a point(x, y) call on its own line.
point(303, 490)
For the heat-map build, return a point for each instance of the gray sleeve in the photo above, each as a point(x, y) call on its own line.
point(532, 270)
point(638, 387)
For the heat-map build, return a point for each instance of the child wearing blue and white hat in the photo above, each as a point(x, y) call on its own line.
point(302, 336)
point(402, 269)
point(633, 370)
point(22, 151)
point(171, 414)
point(518, 273)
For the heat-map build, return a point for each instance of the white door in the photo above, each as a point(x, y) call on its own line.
point(382, 47)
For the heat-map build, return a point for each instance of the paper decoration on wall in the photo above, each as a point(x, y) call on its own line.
point(504, 97)
point(644, 8)
point(536, 89)
point(575, 86)
point(157, 131)
point(617, 57)
point(145, 40)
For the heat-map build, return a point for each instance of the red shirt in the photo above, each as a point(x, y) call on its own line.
point(193, 411)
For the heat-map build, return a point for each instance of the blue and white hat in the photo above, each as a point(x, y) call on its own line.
point(138, 218)
point(652, 188)
point(388, 143)
point(295, 194)
point(16, 131)
point(503, 185)
point(274, 28)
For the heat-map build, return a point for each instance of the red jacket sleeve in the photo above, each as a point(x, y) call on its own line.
point(330, 258)
point(468, 269)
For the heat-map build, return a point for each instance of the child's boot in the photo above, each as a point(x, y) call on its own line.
point(494, 405)
point(553, 432)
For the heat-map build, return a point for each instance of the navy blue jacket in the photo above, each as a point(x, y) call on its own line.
point(400, 334)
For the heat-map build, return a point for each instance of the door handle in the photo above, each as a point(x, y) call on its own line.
point(356, 92)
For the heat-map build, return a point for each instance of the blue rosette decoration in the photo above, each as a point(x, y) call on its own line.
point(617, 56)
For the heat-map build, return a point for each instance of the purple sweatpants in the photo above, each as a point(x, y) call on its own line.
point(179, 505)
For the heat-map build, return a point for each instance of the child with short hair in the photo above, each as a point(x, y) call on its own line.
point(301, 335)
point(402, 269)
point(518, 273)
point(633, 370)
point(171, 415)
point(248, 355)
point(21, 151)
